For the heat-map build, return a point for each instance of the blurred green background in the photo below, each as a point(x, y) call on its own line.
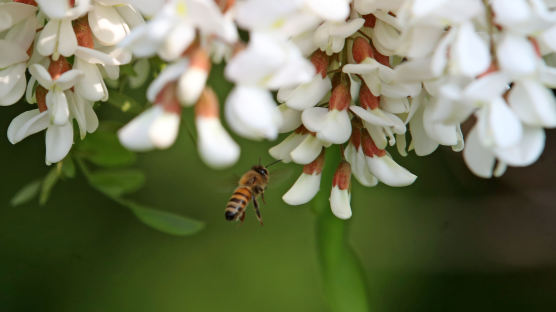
point(450, 242)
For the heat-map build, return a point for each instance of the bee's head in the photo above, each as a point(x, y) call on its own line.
point(261, 170)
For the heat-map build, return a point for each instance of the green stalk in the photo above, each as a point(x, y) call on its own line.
point(343, 275)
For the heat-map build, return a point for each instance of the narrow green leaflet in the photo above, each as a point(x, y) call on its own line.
point(26, 193)
point(104, 149)
point(164, 221)
point(47, 185)
point(116, 183)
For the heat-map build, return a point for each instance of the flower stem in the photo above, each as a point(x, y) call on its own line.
point(343, 276)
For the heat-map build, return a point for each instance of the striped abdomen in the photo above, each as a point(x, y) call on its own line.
point(237, 203)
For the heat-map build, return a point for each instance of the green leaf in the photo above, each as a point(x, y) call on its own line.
point(47, 185)
point(104, 149)
point(26, 193)
point(115, 183)
point(164, 221)
point(125, 103)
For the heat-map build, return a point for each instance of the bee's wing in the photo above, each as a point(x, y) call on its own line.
point(280, 175)
point(227, 184)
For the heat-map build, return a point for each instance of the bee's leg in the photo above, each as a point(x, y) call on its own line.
point(257, 211)
point(242, 216)
point(262, 197)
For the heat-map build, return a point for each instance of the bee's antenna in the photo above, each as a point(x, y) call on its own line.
point(273, 163)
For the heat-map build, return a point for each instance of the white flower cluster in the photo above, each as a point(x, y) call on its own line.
point(41, 36)
point(361, 74)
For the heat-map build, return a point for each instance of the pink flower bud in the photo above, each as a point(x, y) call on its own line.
point(83, 32)
point(320, 61)
point(367, 98)
point(342, 176)
point(316, 165)
point(340, 98)
point(369, 147)
point(361, 49)
point(168, 100)
point(207, 106)
point(58, 67)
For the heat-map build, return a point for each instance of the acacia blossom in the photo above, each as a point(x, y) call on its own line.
point(377, 78)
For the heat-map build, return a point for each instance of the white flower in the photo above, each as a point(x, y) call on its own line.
point(307, 185)
point(331, 124)
point(56, 100)
point(291, 118)
point(356, 158)
point(340, 194)
point(154, 128)
point(172, 29)
point(14, 46)
point(269, 62)
point(215, 145)
point(309, 94)
point(283, 149)
point(112, 21)
point(158, 126)
point(383, 167)
point(330, 36)
point(252, 113)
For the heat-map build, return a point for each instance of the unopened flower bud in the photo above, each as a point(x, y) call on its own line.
point(339, 195)
point(58, 67)
point(167, 99)
point(340, 98)
point(367, 99)
point(320, 61)
point(83, 33)
point(362, 49)
point(369, 147)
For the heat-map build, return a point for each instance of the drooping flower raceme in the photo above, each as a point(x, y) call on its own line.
point(375, 77)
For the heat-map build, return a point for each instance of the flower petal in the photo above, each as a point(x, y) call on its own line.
point(479, 159)
point(303, 190)
point(340, 202)
point(526, 151)
point(135, 135)
point(90, 85)
point(291, 118)
point(26, 124)
point(283, 149)
point(216, 147)
point(41, 74)
point(59, 140)
point(389, 172)
point(533, 103)
point(307, 150)
point(107, 25)
point(67, 42)
point(505, 128)
point(164, 129)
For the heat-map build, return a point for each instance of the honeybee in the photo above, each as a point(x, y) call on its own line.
point(250, 186)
